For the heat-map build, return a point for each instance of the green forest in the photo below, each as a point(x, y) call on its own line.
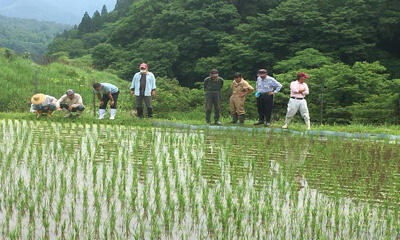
point(26, 35)
point(350, 48)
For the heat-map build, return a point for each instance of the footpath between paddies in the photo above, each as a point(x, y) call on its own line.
point(124, 118)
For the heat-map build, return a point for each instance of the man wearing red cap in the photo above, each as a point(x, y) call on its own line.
point(144, 88)
point(298, 91)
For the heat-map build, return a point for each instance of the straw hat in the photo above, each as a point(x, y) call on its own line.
point(38, 99)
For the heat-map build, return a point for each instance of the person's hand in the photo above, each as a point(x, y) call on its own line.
point(70, 108)
point(112, 103)
point(242, 94)
point(153, 93)
point(302, 90)
point(132, 93)
point(271, 93)
point(101, 103)
point(59, 109)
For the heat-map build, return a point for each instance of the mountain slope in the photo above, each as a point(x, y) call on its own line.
point(23, 35)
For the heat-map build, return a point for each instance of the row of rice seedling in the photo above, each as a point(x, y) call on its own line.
point(94, 181)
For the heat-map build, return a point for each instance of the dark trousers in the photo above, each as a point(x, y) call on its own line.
point(105, 99)
point(213, 99)
point(80, 108)
point(147, 102)
point(264, 105)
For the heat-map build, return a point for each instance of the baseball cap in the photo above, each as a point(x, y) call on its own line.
point(143, 65)
point(70, 92)
point(302, 75)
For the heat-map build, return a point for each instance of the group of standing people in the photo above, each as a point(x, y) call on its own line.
point(267, 87)
point(143, 87)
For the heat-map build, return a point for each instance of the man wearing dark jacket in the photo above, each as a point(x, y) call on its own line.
point(212, 88)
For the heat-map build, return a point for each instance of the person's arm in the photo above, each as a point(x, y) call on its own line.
point(110, 97)
point(278, 86)
point(78, 102)
point(59, 101)
point(32, 110)
point(306, 91)
point(258, 85)
point(133, 85)
point(222, 83)
point(205, 83)
point(153, 90)
point(294, 88)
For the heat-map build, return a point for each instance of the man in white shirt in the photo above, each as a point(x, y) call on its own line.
point(71, 102)
point(298, 91)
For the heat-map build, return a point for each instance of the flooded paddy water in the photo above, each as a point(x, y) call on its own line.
point(67, 181)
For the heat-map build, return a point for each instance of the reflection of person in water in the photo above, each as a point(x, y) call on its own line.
point(294, 161)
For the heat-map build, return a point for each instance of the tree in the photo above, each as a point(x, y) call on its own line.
point(86, 25)
point(104, 11)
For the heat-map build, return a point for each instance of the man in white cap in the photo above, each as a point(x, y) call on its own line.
point(71, 102)
point(298, 91)
point(110, 93)
point(144, 88)
point(43, 104)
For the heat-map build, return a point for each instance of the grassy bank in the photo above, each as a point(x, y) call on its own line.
point(124, 118)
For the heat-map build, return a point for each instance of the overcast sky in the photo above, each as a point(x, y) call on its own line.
point(62, 11)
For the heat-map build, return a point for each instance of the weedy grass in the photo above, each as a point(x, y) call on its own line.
point(111, 181)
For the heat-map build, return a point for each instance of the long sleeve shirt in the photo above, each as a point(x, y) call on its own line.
point(49, 100)
point(269, 84)
point(211, 85)
point(74, 102)
point(296, 86)
point(150, 84)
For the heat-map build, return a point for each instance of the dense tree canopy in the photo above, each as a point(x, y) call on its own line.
point(350, 47)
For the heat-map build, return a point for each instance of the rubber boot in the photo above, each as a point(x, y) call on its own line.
point(287, 122)
point(234, 118)
point(102, 112)
point(49, 113)
point(39, 114)
point(67, 113)
point(308, 124)
point(241, 119)
point(113, 112)
point(150, 113)
point(139, 112)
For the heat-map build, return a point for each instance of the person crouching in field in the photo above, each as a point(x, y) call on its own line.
point(240, 88)
point(110, 93)
point(144, 88)
point(71, 102)
point(298, 91)
point(41, 103)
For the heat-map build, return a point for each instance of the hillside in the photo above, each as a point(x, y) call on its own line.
point(185, 39)
point(339, 93)
point(60, 11)
point(23, 35)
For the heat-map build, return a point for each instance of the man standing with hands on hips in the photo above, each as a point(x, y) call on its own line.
point(298, 91)
point(144, 88)
point(267, 87)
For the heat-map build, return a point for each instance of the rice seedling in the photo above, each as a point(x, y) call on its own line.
point(95, 181)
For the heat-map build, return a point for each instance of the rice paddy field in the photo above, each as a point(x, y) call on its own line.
point(92, 181)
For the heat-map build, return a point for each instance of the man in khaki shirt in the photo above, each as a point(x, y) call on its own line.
point(240, 88)
point(71, 102)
